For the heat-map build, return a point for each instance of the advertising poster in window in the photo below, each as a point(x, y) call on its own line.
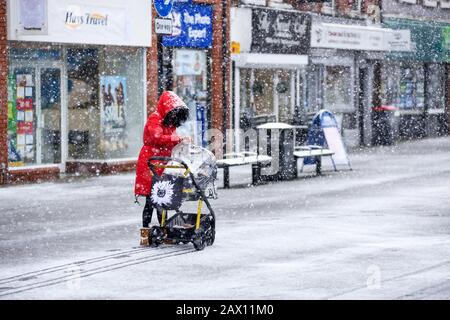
point(113, 97)
point(14, 158)
point(25, 127)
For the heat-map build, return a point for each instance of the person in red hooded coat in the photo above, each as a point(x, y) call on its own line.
point(160, 138)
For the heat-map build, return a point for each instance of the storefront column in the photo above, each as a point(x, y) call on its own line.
point(152, 70)
point(237, 108)
point(447, 96)
point(3, 94)
point(220, 66)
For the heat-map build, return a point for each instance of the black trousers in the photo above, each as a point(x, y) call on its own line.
point(148, 213)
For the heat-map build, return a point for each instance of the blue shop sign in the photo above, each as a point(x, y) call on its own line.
point(192, 26)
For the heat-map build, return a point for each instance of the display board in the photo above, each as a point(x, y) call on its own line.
point(324, 131)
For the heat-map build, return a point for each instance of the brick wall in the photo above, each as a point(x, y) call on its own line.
point(152, 70)
point(3, 93)
point(216, 69)
point(342, 7)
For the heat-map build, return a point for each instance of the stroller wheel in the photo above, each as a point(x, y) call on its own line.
point(210, 237)
point(156, 236)
point(199, 240)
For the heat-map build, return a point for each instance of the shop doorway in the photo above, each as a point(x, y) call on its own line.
point(362, 103)
point(190, 81)
point(285, 95)
point(40, 113)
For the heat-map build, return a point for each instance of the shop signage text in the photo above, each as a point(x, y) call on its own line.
point(99, 22)
point(76, 18)
point(398, 40)
point(192, 27)
point(163, 26)
point(280, 32)
point(359, 38)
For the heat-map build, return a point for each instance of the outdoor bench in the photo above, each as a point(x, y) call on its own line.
point(240, 159)
point(317, 152)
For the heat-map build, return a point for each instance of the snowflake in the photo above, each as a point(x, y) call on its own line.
point(162, 193)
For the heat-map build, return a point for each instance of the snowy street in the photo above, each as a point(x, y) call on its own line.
point(380, 231)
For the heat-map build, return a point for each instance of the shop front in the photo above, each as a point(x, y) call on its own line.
point(268, 67)
point(76, 86)
point(416, 82)
point(343, 75)
point(185, 64)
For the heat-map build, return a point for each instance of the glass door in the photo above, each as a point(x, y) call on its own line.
point(285, 88)
point(191, 84)
point(37, 111)
point(49, 115)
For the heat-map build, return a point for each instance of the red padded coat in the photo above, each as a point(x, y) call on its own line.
point(159, 140)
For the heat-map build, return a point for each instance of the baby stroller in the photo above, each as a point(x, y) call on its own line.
point(188, 178)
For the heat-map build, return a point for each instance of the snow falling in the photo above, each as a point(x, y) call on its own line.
point(308, 141)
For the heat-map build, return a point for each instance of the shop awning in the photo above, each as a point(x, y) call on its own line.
point(266, 60)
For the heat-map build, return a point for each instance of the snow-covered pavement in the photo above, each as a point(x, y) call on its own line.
point(379, 231)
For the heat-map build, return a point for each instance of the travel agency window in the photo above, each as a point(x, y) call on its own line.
point(191, 41)
point(77, 90)
point(105, 101)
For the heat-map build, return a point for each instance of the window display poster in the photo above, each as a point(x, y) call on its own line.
point(24, 104)
point(25, 116)
point(113, 97)
point(189, 62)
point(24, 80)
point(407, 89)
point(14, 158)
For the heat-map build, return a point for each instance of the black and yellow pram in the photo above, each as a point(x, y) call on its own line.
point(168, 191)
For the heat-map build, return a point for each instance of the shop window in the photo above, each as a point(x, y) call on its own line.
point(314, 101)
point(411, 87)
point(263, 92)
point(122, 69)
point(338, 88)
point(245, 97)
point(22, 116)
point(83, 103)
point(34, 106)
point(105, 101)
point(284, 88)
point(389, 92)
point(435, 86)
point(190, 82)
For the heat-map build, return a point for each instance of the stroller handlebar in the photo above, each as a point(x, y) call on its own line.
point(158, 158)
